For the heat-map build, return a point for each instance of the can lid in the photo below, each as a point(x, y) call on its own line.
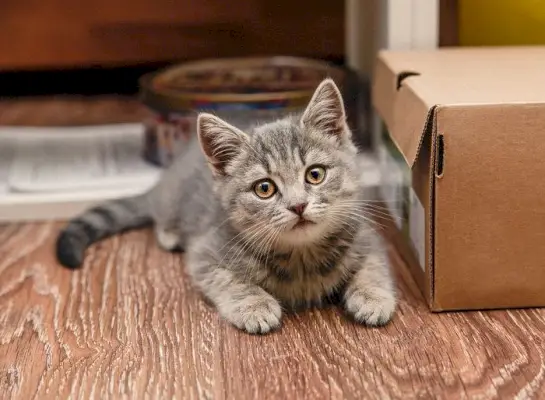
point(236, 80)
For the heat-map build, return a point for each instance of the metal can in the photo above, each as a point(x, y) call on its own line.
point(243, 91)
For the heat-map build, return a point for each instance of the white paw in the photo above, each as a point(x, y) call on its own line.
point(167, 240)
point(371, 307)
point(255, 314)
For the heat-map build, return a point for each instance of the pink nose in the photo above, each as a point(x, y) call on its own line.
point(298, 209)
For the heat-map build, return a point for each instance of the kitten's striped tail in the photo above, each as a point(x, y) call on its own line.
point(98, 223)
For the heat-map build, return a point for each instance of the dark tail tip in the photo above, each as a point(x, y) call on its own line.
point(70, 249)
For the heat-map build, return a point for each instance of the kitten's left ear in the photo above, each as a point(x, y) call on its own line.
point(325, 111)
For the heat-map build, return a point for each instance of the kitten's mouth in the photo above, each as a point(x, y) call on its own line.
point(302, 223)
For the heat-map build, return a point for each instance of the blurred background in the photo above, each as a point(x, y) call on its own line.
point(100, 95)
point(103, 45)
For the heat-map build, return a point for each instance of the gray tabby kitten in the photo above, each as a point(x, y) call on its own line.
point(272, 219)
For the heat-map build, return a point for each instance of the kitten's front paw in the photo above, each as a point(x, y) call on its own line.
point(254, 314)
point(371, 307)
point(167, 240)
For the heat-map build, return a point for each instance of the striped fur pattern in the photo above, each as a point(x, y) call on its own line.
point(252, 257)
point(98, 223)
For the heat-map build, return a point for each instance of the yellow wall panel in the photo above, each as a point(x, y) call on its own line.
point(501, 22)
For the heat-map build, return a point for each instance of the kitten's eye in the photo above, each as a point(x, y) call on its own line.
point(265, 189)
point(315, 175)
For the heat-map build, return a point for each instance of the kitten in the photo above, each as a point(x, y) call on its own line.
point(275, 220)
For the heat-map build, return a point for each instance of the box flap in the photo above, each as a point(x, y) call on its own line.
point(408, 84)
point(403, 110)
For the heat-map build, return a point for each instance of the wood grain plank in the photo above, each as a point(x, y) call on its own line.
point(130, 325)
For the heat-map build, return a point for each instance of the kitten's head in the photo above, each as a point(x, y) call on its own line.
point(292, 181)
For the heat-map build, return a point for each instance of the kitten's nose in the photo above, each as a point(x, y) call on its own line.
point(298, 209)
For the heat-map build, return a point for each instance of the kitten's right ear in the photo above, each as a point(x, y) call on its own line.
point(220, 141)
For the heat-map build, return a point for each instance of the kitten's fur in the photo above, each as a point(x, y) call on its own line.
point(242, 251)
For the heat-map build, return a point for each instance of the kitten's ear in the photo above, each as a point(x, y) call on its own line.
point(220, 141)
point(325, 111)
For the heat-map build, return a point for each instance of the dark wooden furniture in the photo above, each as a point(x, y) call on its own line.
point(38, 34)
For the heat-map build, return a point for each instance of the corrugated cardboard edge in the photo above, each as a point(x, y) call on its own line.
point(429, 134)
point(431, 129)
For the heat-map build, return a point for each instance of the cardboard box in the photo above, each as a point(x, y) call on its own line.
point(464, 159)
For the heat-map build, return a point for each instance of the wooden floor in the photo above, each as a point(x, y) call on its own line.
point(129, 325)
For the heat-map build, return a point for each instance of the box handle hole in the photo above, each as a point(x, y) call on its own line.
point(404, 75)
point(440, 156)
